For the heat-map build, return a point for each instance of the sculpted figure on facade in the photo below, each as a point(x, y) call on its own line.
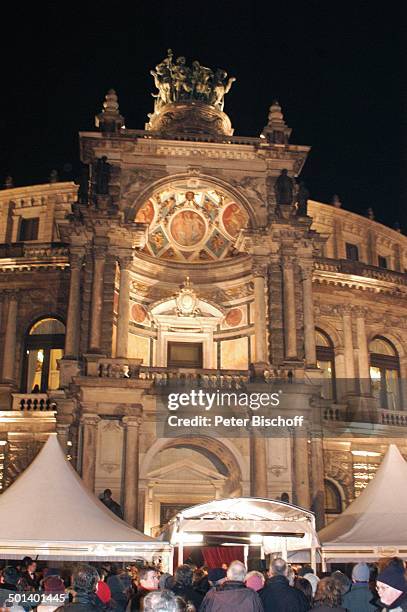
point(284, 189)
point(102, 176)
point(177, 82)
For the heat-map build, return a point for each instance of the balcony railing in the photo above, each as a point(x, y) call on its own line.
point(32, 402)
point(358, 268)
point(205, 378)
point(392, 417)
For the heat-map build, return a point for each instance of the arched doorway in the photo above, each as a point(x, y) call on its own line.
point(43, 347)
point(185, 472)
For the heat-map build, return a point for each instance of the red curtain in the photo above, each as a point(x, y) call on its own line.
point(214, 556)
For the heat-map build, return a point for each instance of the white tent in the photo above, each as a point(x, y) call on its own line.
point(274, 525)
point(375, 524)
point(49, 512)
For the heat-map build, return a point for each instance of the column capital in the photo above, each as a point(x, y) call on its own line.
point(288, 261)
point(125, 261)
point(132, 421)
point(99, 251)
point(12, 294)
point(345, 309)
point(259, 266)
point(360, 311)
point(307, 268)
point(76, 256)
point(90, 419)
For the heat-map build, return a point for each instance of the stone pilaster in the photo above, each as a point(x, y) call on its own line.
point(317, 479)
point(290, 318)
point(259, 274)
point(10, 338)
point(73, 318)
point(301, 470)
point(309, 322)
point(95, 336)
point(122, 338)
point(131, 468)
point(89, 424)
point(363, 350)
point(259, 484)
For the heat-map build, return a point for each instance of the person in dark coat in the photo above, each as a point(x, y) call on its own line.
point(148, 582)
point(109, 502)
point(328, 596)
point(233, 594)
point(84, 583)
point(183, 586)
point(359, 598)
point(278, 595)
point(392, 588)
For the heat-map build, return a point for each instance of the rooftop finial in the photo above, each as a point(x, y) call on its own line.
point(276, 131)
point(336, 201)
point(110, 120)
point(8, 182)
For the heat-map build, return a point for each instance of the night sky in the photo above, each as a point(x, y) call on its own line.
point(336, 68)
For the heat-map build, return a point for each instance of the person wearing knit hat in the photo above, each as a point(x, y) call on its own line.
point(392, 588)
point(255, 580)
point(313, 580)
point(359, 598)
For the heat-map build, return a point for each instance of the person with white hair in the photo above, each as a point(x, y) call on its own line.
point(233, 594)
point(278, 595)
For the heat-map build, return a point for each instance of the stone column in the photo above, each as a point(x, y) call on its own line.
point(259, 273)
point(10, 338)
point(259, 485)
point(301, 470)
point(290, 323)
point(363, 351)
point(309, 322)
point(89, 424)
point(122, 338)
point(131, 468)
point(73, 318)
point(99, 254)
point(318, 483)
point(348, 342)
point(63, 435)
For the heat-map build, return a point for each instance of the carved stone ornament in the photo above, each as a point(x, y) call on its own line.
point(187, 300)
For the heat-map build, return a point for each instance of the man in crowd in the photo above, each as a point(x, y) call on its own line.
point(392, 588)
point(216, 577)
point(233, 594)
point(359, 597)
point(109, 502)
point(183, 586)
point(278, 595)
point(148, 582)
point(84, 583)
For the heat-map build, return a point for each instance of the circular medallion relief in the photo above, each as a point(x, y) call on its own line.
point(234, 317)
point(138, 313)
point(146, 213)
point(187, 228)
point(233, 219)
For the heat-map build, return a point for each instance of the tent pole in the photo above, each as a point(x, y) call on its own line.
point(323, 560)
point(313, 559)
point(284, 553)
point(246, 554)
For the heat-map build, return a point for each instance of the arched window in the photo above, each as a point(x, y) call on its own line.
point(326, 362)
point(385, 373)
point(333, 500)
point(44, 345)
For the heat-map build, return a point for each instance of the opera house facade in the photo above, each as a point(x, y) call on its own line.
point(187, 254)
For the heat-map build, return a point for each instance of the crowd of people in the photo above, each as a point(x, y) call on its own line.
point(283, 588)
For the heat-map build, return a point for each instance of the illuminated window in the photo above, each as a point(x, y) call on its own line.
point(382, 261)
point(326, 362)
point(385, 373)
point(44, 346)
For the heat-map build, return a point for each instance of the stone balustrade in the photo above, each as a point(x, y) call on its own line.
point(32, 402)
point(205, 378)
point(358, 268)
point(117, 368)
point(392, 417)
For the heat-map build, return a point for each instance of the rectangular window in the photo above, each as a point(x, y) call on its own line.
point(382, 261)
point(28, 229)
point(185, 354)
point(352, 252)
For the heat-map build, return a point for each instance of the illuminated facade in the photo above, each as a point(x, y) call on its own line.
point(93, 319)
